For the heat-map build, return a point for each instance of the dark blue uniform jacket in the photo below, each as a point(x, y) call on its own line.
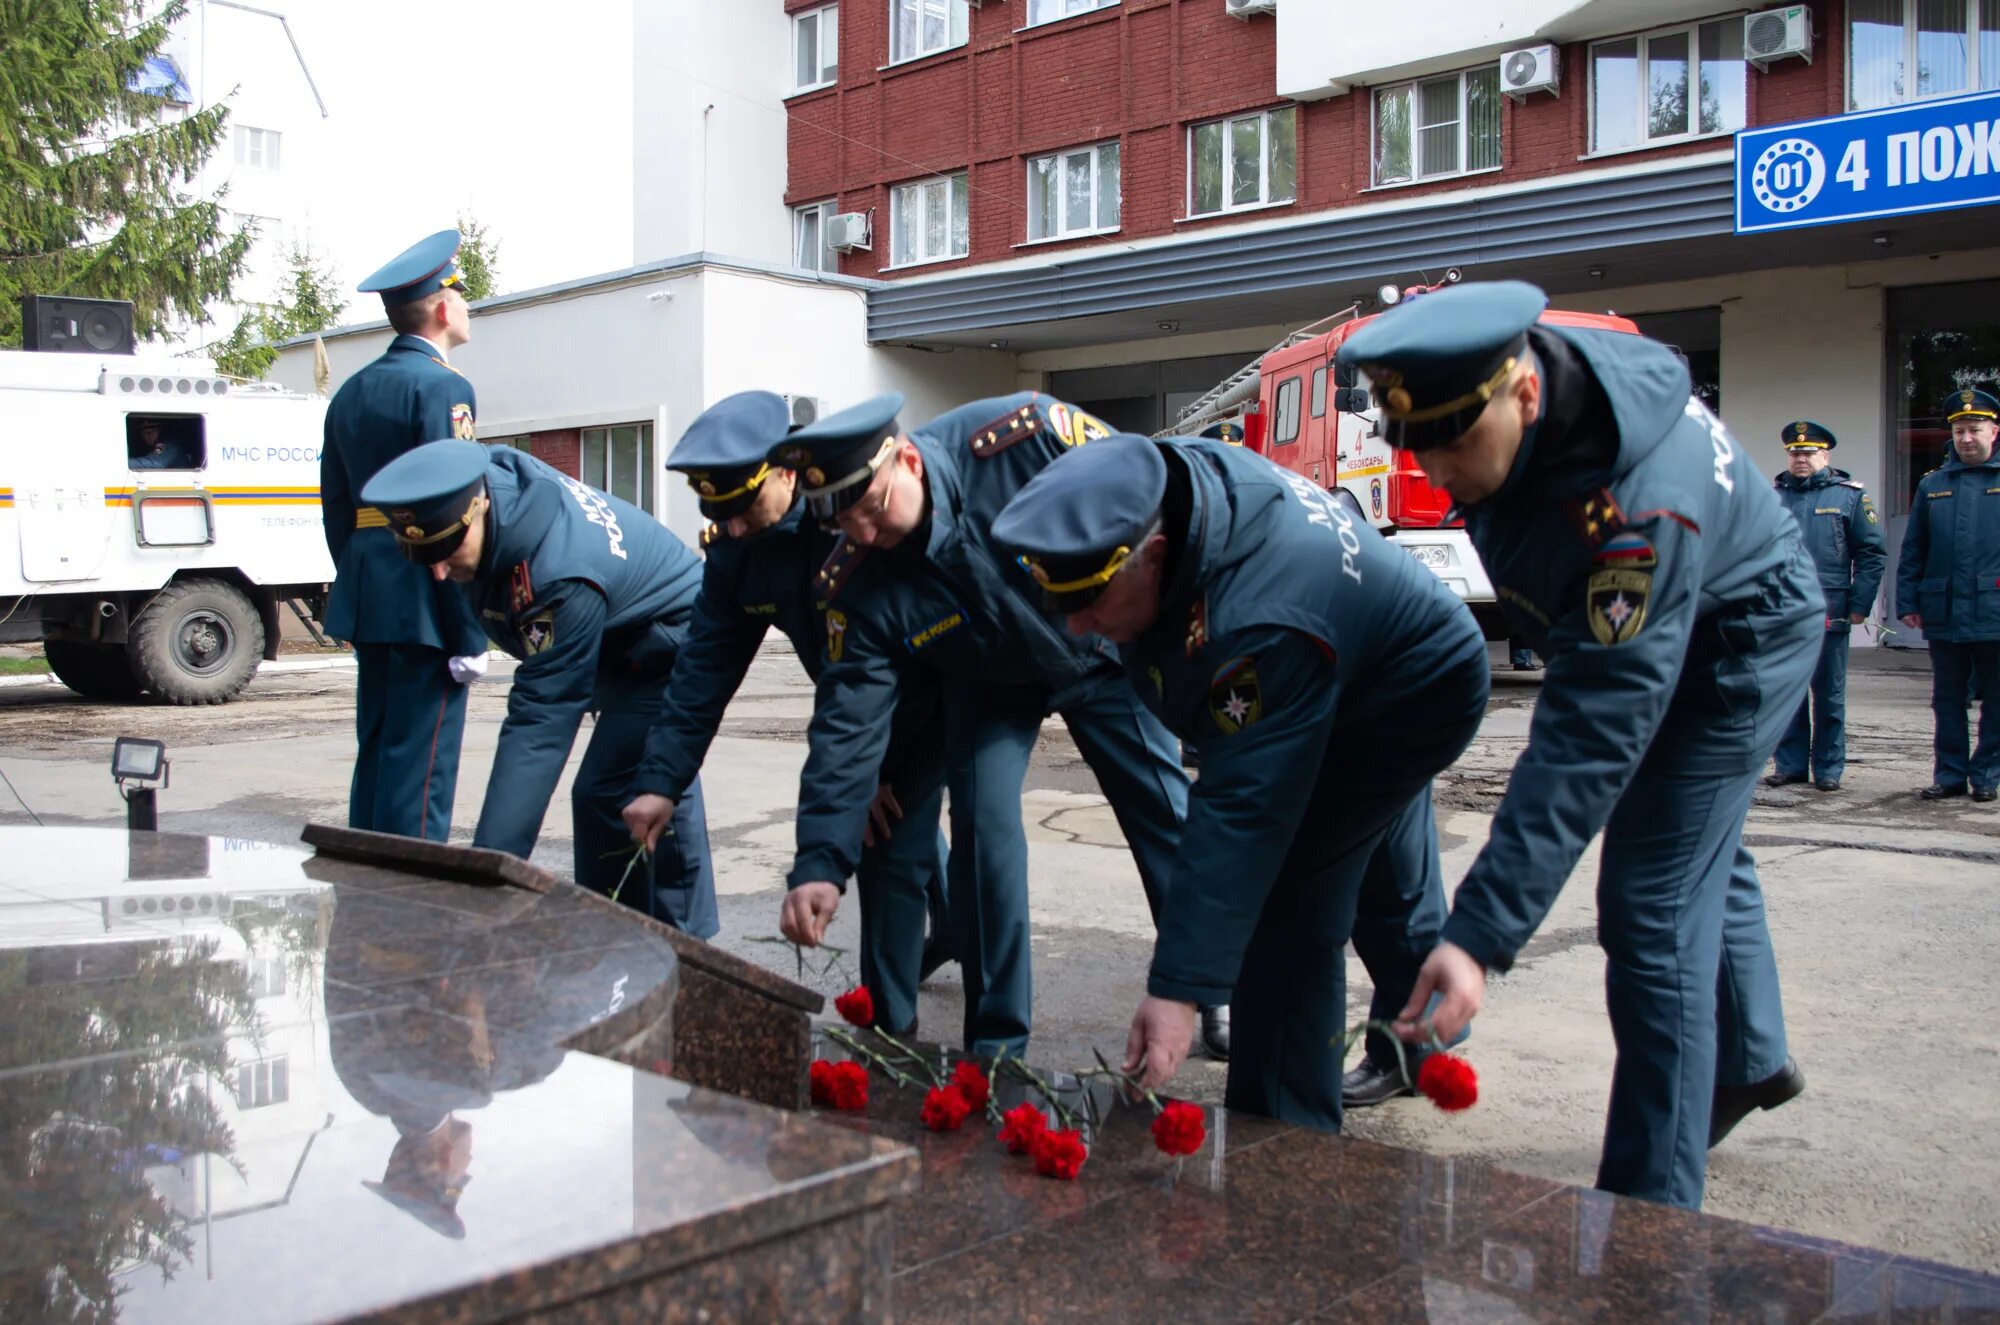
point(1843, 538)
point(1950, 566)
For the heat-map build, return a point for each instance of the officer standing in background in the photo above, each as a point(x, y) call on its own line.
point(1844, 540)
point(416, 643)
point(592, 595)
point(917, 583)
point(761, 571)
point(1327, 678)
point(1948, 585)
point(1637, 549)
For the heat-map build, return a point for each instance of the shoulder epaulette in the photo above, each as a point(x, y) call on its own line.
point(838, 567)
point(442, 364)
point(1597, 517)
point(991, 439)
point(712, 533)
point(1854, 483)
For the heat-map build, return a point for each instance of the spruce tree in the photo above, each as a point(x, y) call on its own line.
point(478, 258)
point(95, 197)
point(311, 302)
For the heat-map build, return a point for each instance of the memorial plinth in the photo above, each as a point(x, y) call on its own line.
point(240, 1082)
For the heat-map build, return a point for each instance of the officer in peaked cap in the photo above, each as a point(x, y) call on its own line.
point(1844, 539)
point(1231, 432)
point(1231, 587)
point(763, 556)
point(1635, 547)
point(1948, 585)
point(917, 584)
point(593, 596)
point(416, 643)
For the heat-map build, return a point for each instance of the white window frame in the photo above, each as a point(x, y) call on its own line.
point(1973, 73)
point(821, 212)
point(958, 197)
point(1063, 229)
point(258, 149)
point(957, 28)
point(645, 494)
point(1642, 46)
point(1064, 9)
point(823, 19)
point(1417, 173)
point(1264, 198)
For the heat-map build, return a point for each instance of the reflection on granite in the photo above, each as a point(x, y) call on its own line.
point(237, 1082)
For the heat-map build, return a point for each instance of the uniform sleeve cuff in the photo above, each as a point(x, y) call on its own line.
point(1482, 944)
point(817, 867)
point(1182, 991)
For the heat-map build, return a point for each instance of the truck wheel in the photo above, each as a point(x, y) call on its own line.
point(197, 642)
point(95, 671)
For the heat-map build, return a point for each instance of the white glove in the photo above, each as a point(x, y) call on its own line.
point(468, 668)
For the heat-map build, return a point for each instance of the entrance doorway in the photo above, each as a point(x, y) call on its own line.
point(1697, 334)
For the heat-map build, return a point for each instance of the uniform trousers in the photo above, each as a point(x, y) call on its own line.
point(901, 881)
point(409, 716)
point(1818, 735)
point(1954, 669)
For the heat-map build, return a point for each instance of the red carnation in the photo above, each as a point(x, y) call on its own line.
point(847, 1087)
point(1449, 1082)
point(945, 1109)
point(1019, 1127)
point(1060, 1154)
point(820, 1073)
point(857, 1005)
point(1179, 1129)
point(971, 1083)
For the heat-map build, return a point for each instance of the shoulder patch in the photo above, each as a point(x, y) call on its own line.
point(462, 426)
point(990, 439)
point(1234, 699)
point(839, 565)
point(538, 633)
point(1868, 508)
point(1615, 601)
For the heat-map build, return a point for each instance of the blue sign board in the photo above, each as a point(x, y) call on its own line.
point(1922, 157)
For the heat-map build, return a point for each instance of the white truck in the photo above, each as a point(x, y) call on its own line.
point(164, 515)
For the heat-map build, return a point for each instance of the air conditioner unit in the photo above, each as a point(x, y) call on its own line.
point(1530, 69)
point(847, 231)
point(804, 409)
point(1243, 9)
point(1776, 34)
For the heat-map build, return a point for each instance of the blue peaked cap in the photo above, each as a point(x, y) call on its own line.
point(1435, 362)
point(1805, 435)
point(726, 452)
point(426, 496)
point(1074, 524)
point(836, 457)
point(1970, 403)
point(423, 268)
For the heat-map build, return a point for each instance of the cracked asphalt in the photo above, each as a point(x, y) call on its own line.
point(1882, 909)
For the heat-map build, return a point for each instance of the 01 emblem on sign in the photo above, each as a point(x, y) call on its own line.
point(1788, 175)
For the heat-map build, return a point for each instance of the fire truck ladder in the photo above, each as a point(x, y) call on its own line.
point(1225, 396)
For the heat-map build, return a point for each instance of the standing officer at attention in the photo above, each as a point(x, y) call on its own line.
point(416, 643)
point(1640, 553)
point(1844, 540)
point(592, 595)
point(1327, 678)
point(918, 583)
point(763, 560)
point(1948, 585)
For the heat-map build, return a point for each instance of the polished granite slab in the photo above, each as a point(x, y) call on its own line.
point(238, 1082)
point(1273, 1223)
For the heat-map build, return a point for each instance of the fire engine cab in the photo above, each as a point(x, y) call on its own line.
point(1304, 412)
point(162, 514)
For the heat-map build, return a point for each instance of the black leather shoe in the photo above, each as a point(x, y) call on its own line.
point(1827, 784)
point(1783, 779)
point(937, 952)
point(1215, 1032)
point(1984, 794)
point(1735, 1103)
point(1935, 792)
point(1366, 1085)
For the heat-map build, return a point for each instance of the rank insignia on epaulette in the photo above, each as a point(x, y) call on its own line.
point(1596, 517)
point(839, 565)
point(710, 534)
point(993, 438)
point(1234, 699)
point(539, 634)
point(461, 423)
point(1159, 682)
point(1197, 629)
point(836, 635)
point(521, 593)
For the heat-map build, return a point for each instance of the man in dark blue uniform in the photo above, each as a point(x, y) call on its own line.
point(416, 642)
point(593, 596)
point(1948, 585)
point(763, 561)
point(1637, 549)
point(916, 583)
point(1327, 678)
point(1844, 540)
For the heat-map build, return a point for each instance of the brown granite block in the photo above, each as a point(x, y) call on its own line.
point(439, 860)
point(730, 1037)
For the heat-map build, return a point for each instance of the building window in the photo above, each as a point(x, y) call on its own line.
point(257, 148)
point(620, 461)
point(1048, 11)
point(1663, 86)
point(925, 27)
point(264, 1082)
point(1906, 50)
point(1438, 126)
point(810, 248)
point(815, 48)
point(1245, 162)
point(267, 977)
point(1073, 193)
point(927, 221)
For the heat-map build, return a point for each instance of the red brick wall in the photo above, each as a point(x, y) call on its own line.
point(560, 448)
point(1142, 72)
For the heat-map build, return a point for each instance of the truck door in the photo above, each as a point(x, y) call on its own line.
point(1316, 459)
point(1287, 410)
point(58, 494)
